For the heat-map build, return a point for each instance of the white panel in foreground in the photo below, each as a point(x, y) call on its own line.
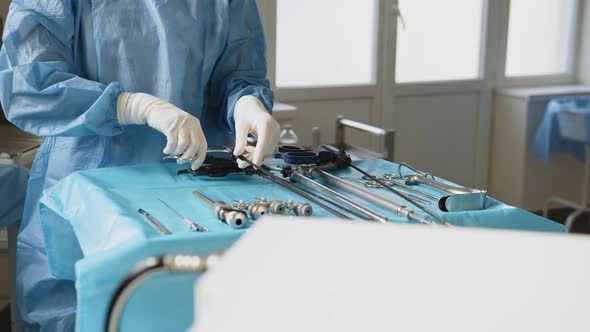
point(294, 275)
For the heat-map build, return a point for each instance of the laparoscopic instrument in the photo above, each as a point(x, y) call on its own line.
point(327, 154)
point(193, 226)
point(157, 224)
point(341, 159)
point(225, 213)
point(265, 173)
point(455, 198)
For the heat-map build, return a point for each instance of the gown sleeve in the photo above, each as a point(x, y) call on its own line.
point(39, 90)
point(241, 69)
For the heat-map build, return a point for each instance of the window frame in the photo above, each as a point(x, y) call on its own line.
point(567, 77)
point(454, 84)
point(301, 92)
point(492, 61)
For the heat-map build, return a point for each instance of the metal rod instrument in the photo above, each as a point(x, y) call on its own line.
point(399, 209)
point(155, 222)
point(402, 195)
point(193, 226)
point(298, 190)
point(456, 198)
point(403, 185)
point(225, 213)
point(343, 199)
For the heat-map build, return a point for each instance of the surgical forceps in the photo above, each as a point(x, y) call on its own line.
point(181, 160)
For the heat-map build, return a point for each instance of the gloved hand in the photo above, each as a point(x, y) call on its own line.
point(182, 130)
point(251, 117)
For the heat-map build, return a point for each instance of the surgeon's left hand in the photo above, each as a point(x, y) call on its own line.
point(251, 117)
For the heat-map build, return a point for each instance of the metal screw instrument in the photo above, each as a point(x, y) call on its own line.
point(225, 213)
point(255, 210)
point(301, 209)
point(275, 206)
point(155, 222)
point(193, 226)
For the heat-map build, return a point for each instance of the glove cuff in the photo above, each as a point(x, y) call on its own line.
point(133, 108)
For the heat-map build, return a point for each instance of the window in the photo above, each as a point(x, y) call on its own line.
point(441, 40)
point(326, 43)
point(540, 33)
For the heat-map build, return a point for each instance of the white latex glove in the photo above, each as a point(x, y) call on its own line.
point(182, 130)
point(251, 117)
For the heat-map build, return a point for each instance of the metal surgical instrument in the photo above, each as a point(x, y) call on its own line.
point(402, 195)
point(343, 199)
point(391, 183)
point(255, 210)
point(399, 209)
point(225, 213)
point(301, 209)
point(456, 199)
point(155, 222)
point(193, 226)
point(417, 179)
point(300, 191)
point(275, 206)
point(184, 161)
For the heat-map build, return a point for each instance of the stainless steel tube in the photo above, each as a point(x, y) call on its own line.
point(288, 185)
point(446, 188)
point(399, 209)
point(345, 200)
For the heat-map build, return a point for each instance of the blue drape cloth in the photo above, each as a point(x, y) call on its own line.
point(95, 235)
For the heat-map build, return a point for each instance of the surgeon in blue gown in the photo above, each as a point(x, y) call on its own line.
point(113, 83)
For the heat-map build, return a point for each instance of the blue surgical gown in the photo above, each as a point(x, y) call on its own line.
point(62, 67)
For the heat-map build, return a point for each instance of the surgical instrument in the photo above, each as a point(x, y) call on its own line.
point(373, 184)
point(446, 188)
point(456, 199)
point(403, 195)
point(344, 159)
point(275, 206)
point(390, 181)
point(301, 209)
point(193, 226)
point(224, 212)
point(399, 174)
point(255, 210)
point(312, 184)
point(155, 222)
point(288, 185)
point(147, 268)
point(399, 209)
point(183, 161)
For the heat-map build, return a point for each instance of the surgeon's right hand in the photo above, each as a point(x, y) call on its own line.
point(183, 131)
